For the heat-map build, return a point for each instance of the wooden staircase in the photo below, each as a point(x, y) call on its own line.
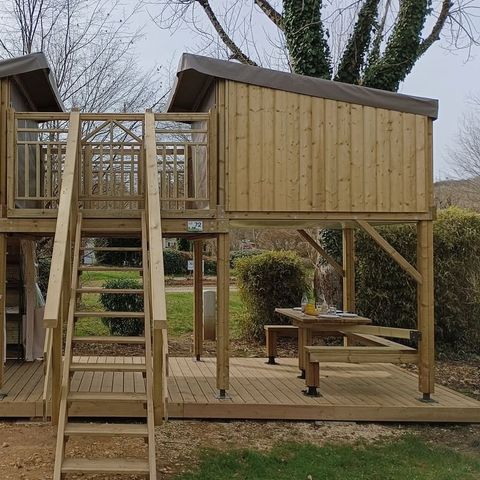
point(68, 428)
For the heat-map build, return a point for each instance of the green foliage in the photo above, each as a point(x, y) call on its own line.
point(387, 294)
point(349, 70)
point(210, 266)
point(175, 262)
point(267, 281)
point(184, 245)
point(408, 458)
point(306, 38)
point(236, 254)
point(402, 49)
point(118, 258)
point(123, 303)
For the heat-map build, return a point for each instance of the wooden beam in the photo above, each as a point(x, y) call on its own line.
point(402, 262)
point(223, 285)
point(425, 308)
point(153, 231)
point(391, 332)
point(198, 298)
point(3, 278)
point(60, 244)
point(361, 354)
point(336, 266)
point(348, 259)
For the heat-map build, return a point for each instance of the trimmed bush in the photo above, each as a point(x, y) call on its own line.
point(123, 303)
point(175, 262)
point(267, 281)
point(236, 254)
point(387, 294)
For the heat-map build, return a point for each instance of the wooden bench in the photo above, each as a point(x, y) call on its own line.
point(373, 350)
point(273, 332)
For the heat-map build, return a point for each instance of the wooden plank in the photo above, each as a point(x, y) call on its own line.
point(198, 298)
point(305, 153)
point(254, 148)
point(318, 158)
point(57, 269)
point(222, 327)
point(348, 256)
point(344, 156)
point(3, 277)
point(361, 355)
point(267, 149)
point(402, 262)
point(425, 308)
point(331, 159)
point(359, 157)
point(370, 163)
point(281, 158)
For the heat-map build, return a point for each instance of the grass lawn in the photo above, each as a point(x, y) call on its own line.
point(179, 310)
point(408, 458)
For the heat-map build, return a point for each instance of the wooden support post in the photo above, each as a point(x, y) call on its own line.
point(425, 309)
point(223, 286)
point(348, 242)
point(3, 278)
point(198, 298)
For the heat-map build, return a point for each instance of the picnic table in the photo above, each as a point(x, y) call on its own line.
point(325, 322)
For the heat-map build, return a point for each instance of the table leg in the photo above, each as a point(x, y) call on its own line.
point(304, 339)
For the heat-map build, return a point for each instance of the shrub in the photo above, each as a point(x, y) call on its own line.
point(236, 254)
point(175, 262)
point(113, 302)
point(267, 281)
point(387, 294)
point(210, 266)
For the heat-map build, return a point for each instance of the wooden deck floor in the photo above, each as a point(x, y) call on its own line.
point(375, 392)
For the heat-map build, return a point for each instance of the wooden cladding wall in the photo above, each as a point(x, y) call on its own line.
point(287, 152)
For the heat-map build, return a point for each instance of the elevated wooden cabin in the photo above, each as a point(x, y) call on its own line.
point(239, 146)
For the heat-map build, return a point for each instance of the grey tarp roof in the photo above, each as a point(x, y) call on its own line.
point(33, 73)
point(195, 74)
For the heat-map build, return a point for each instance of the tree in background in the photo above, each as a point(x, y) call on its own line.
point(90, 46)
point(465, 159)
point(374, 43)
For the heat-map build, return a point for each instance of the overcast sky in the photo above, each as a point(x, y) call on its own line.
point(438, 74)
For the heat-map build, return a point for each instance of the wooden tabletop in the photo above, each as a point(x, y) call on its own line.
point(328, 320)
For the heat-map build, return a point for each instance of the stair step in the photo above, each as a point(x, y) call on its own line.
point(107, 367)
point(111, 249)
point(123, 397)
point(111, 314)
point(93, 268)
point(106, 429)
point(105, 465)
point(136, 291)
point(113, 339)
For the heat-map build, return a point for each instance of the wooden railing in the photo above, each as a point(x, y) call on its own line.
point(111, 162)
point(155, 281)
point(59, 281)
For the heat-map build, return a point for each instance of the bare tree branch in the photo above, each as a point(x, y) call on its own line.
point(437, 28)
point(270, 12)
point(237, 53)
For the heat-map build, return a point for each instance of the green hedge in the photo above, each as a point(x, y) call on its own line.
point(266, 281)
point(124, 302)
point(236, 254)
point(387, 294)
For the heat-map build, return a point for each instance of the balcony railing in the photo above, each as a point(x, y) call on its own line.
point(110, 163)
